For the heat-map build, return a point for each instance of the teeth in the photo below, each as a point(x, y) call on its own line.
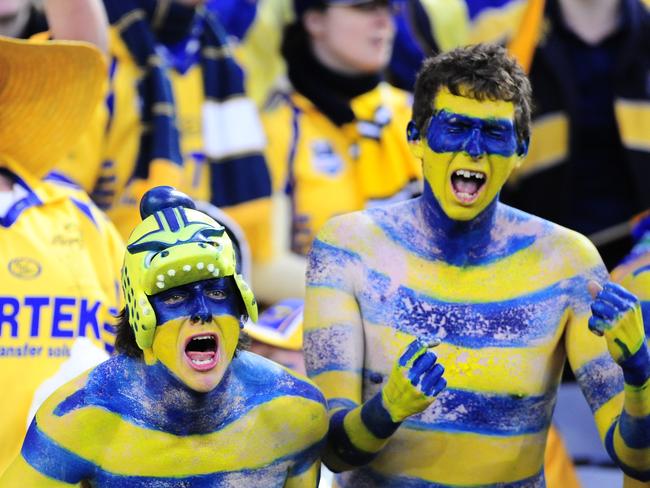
point(187, 267)
point(200, 265)
point(203, 337)
point(201, 362)
point(210, 267)
point(171, 272)
point(470, 174)
point(161, 277)
point(160, 284)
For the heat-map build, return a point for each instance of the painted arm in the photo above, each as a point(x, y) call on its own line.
point(306, 479)
point(82, 20)
point(620, 402)
point(334, 351)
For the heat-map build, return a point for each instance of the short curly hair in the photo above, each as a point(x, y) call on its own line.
point(483, 72)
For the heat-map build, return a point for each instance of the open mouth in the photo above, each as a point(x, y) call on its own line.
point(201, 352)
point(467, 184)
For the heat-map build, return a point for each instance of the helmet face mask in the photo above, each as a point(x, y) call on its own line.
point(172, 247)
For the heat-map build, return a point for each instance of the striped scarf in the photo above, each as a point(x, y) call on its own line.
point(232, 134)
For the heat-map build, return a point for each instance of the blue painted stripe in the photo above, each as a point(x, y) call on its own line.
point(509, 323)
point(636, 368)
point(645, 312)
point(137, 384)
point(366, 477)
point(343, 446)
point(609, 445)
point(85, 209)
point(635, 431)
point(109, 348)
point(325, 353)
point(642, 269)
point(600, 380)
point(377, 419)
point(467, 411)
point(46, 456)
point(325, 263)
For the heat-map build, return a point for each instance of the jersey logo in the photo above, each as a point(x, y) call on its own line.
point(324, 158)
point(24, 268)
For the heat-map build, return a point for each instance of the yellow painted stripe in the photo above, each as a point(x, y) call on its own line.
point(127, 449)
point(340, 384)
point(510, 371)
point(549, 145)
point(461, 458)
point(330, 306)
point(638, 459)
point(551, 259)
point(636, 400)
point(634, 123)
point(359, 434)
point(583, 345)
point(607, 414)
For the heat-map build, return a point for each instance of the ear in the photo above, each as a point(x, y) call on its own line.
point(522, 147)
point(314, 23)
point(414, 140)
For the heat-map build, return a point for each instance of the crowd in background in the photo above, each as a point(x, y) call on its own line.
point(285, 113)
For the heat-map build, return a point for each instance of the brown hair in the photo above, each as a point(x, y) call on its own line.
point(481, 71)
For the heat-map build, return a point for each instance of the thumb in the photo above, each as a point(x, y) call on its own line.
point(594, 288)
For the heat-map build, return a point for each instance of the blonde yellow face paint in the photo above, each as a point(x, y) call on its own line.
point(469, 152)
point(171, 343)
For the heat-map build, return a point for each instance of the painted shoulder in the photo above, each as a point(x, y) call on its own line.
point(254, 370)
point(555, 241)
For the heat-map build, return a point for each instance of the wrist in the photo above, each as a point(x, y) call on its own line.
point(636, 368)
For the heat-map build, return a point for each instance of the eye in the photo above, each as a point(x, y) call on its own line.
point(174, 298)
point(216, 294)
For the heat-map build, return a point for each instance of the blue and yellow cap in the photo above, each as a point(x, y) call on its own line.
point(174, 245)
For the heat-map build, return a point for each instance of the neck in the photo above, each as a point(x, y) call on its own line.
point(591, 20)
point(457, 237)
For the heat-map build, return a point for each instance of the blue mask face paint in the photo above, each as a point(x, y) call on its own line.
point(199, 301)
point(452, 132)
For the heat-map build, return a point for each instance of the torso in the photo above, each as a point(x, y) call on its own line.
point(128, 424)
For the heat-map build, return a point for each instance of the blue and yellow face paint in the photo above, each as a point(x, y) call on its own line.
point(174, 246)
point(197, 331)
point(468, 153)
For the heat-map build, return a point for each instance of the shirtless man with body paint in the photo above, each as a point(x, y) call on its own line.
point(505, 292)
point(180, 405)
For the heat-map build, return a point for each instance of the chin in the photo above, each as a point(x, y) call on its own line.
point(203, 382)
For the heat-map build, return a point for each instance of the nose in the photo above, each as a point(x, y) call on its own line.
point(201, 313)
point(474, 146)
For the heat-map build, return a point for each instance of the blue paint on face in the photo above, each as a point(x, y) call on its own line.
point(452, 132)
point(200, 301)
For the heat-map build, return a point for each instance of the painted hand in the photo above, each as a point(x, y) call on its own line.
point(616, 314)
point(414, 382)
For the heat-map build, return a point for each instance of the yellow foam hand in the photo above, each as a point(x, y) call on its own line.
point(616, 314)
point(414, 382)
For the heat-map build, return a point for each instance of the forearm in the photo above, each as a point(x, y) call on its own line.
point(357, 435)
point(82, 20)
point(628, 439)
